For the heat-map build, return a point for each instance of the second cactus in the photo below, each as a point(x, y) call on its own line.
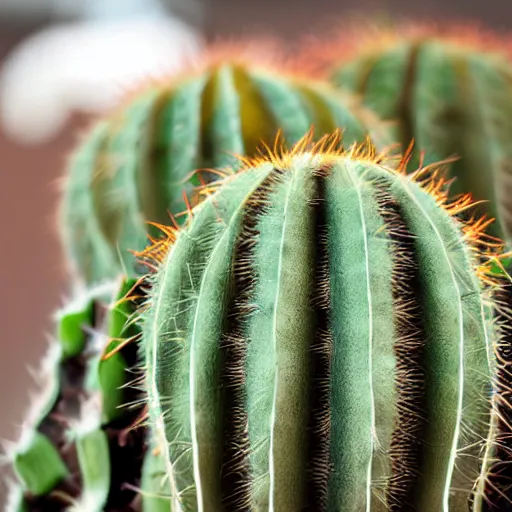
point(135, 166)
point(82, 448)
point(454, 98)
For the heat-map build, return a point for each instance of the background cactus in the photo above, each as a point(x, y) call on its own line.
point(82, 449)
point(451, 91)
point(135, 166)
point(317, 339)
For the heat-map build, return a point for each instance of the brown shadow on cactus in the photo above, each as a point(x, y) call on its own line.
point(319, 423)
point(407, 442)
point(125, 471)
point(405, 108)
point(254, 120)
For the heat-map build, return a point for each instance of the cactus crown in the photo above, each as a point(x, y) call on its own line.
point(318, 338)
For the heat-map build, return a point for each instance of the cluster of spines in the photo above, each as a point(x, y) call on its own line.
point(404, 456)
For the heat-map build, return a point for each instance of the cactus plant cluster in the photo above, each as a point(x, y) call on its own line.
point(318, 327)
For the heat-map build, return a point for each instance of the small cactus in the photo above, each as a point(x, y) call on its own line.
point(134, 167)
point(450, 91)
point(317, 339)
point(78, 450)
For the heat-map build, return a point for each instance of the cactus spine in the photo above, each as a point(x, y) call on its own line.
point(317, 339)
point(78, 451)
point(453, 100)
point(134, 167)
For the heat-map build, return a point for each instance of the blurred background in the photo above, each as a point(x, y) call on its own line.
point(62, 62)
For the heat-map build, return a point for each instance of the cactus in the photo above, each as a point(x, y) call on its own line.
point(319, 337)
point(450, 91)
point(78, 450)
point(133, 167)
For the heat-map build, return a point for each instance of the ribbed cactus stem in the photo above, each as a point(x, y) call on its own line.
point(317, 339)
point(135, 166)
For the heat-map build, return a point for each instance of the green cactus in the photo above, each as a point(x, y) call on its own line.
point(319, 338)
point(77, 451)
point(134, 166)
point(452, 99)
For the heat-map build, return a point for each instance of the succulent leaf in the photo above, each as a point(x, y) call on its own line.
point(83, 446)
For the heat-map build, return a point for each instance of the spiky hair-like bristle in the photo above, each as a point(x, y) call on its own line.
point(432, 178)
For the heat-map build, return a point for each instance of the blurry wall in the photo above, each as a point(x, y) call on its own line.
point(292, 18)
point(32, 278)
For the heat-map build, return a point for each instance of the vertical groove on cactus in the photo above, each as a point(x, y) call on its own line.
point(206, 142)
point(405, 449)
point(321, 352)
point(405, 108)
point(235, 473)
